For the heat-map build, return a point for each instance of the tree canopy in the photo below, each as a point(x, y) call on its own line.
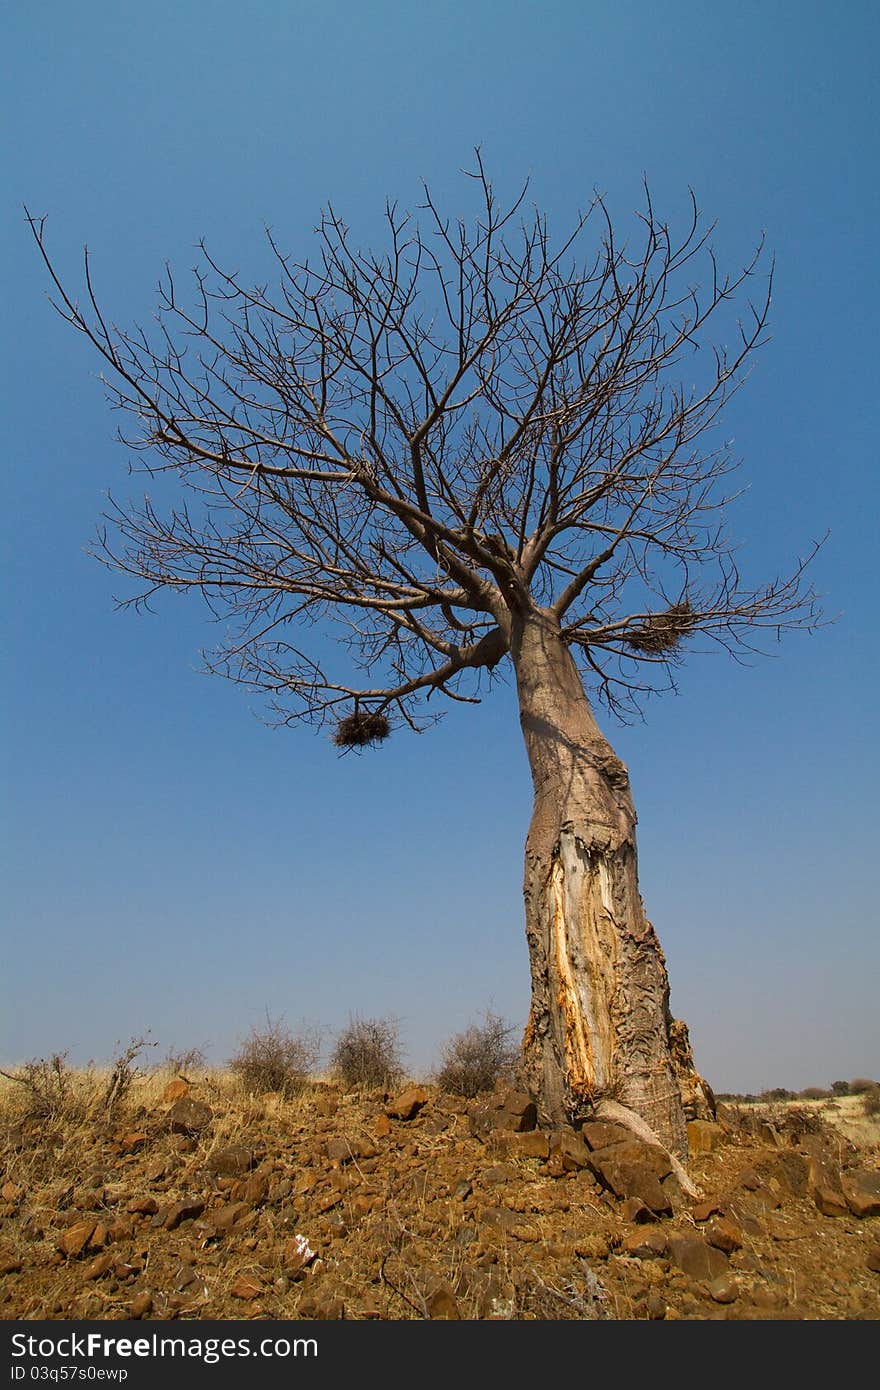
point(407, 447)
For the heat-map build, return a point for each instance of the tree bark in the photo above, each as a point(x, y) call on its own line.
point(599, 1026)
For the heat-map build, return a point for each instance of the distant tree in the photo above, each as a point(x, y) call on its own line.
point(473, 450)
point(840, 1088)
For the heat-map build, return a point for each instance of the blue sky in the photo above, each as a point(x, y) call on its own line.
point(170, 862)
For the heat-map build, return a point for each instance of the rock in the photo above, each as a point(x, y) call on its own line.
point(189, 1117)
point(704, 1137)
point(626, 1179)
point(571, 1149)
point(749, 1179)
point(175, 1090)
point(98, 1267)
point(696, 1258)
point(645, 1245)
point(296, 1255)
point(724, 1289)
point(326, 1309)
point(10, 1264)
point(407, 1104)
point(141, 1305)
point(504, 1109)
point(824, 1187)
point(246, 1287)
point(531, 1144)
point(498, 1173)
point(789, 1169)
point(441, 1303)
point(142, 1206)
point(132, 1141)
point(224, 1218)
point(704, 1210)
point(873, 1259)
point(186, 1210)
point(725, 1235)
point(381, 1127)
point(634, 1150)
point(231, 1162)
point(76, 1238)
point(599, 1134)
point(595, 1245)
point(253, 1190)
point(631, 1209)
point(861, 1189)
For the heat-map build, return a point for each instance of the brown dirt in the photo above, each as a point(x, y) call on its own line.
point(409, 1218)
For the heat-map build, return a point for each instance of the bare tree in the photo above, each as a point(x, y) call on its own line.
point(473, 448)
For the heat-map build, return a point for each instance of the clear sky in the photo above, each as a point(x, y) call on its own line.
point(172, 864)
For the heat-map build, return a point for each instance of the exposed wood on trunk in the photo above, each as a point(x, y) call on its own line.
point(599, 1022)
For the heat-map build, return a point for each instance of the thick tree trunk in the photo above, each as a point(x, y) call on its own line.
point(599, 1026)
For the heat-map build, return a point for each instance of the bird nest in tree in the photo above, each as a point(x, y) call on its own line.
point(662, 632)
point(360, 729)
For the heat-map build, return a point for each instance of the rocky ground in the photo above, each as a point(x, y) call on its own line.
point(193, 1202)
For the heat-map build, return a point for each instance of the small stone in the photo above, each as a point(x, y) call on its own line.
point(873, 1259)
point(141, 1305)
point(175, 1090)
point(725, 1235)
point(723, 1289)
point(593, 1246)
point(632, 1210)
point(696, 1258)
point(186, 1210)
point(441, 1303)
point(224, 1218)
point(231, 1162)
point(381, 1127)
point(825, 1188)
point(861, 1189)
point(98, 1267)
point(131, 1142)
point(407, 1104)
point(246, 1287)
point(188, 1116)
point(10, 1264)
point(75, 1239)
point(143, 1206)
point(571, 1149)
point(645, 1245)
point(704, 1210)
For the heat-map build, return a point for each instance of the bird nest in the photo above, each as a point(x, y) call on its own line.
point(662, 632)
point(360, 729)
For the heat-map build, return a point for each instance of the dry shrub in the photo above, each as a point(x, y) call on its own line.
point(861, 1084)
point(180, 1061)
point(477, 1059)
point(367, 1053)
point(275, 1059)
point(123, 1071)
point(871, 1102)
point(50, 1089)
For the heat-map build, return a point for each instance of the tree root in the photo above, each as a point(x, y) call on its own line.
point(622, 1115)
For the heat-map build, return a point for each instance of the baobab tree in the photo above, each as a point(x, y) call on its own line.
point(473, 450)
